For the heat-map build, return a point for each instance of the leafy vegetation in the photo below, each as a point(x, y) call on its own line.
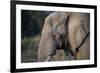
point(31, 28)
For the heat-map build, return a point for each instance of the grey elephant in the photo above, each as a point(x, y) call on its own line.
point(65, 36)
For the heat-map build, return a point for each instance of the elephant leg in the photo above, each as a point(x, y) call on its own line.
point(77, 55)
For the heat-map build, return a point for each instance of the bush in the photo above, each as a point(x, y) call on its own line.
point(29, 49)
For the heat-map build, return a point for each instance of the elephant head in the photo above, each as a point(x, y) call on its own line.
point(61, 31)
point(51, 38)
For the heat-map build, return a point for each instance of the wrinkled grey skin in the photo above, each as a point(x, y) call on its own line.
point(55, 27)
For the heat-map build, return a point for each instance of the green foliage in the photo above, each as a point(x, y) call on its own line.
point(31, 27)
point(30, 48)
point(25, 43)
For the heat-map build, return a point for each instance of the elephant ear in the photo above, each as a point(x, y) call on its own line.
point(78, 27)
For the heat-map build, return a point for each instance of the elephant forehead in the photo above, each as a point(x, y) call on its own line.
point(57, 15)
point(57, 20)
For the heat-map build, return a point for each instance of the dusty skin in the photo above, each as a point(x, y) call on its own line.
point(70, 27)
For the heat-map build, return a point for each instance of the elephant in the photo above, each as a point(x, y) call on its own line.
point(65, 36)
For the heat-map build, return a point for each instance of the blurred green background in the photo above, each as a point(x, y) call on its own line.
point(31, 27)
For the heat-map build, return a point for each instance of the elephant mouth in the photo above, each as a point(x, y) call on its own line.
point(59, 43)
point(58, 47)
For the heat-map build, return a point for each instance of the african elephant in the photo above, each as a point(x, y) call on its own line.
point(62, 33)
